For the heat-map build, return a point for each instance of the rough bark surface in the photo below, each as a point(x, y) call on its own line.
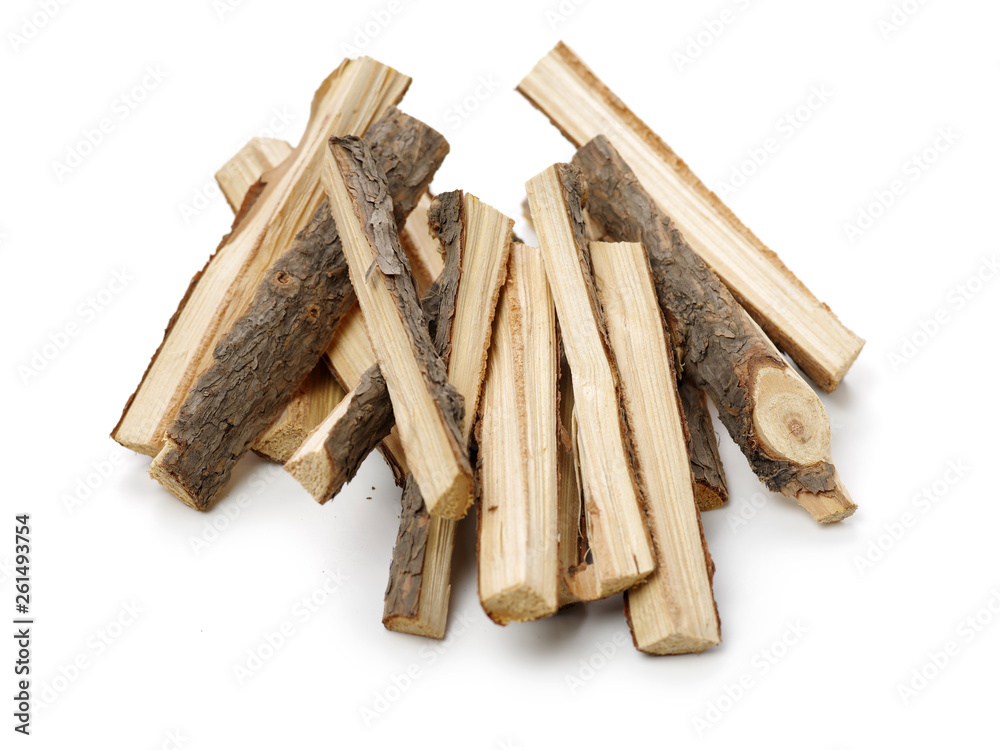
point(263, 360)
point(722, 349)
point(369, 418)
point(710, 489)
point(402, 595)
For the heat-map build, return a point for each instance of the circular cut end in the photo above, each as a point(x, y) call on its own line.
point(789, 418)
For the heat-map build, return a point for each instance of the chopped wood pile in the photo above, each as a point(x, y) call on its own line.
point(561, 390)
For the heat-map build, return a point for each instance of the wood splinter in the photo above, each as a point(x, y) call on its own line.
point(426, 407)
point(673, 611)
point(269, 352)
point(617, 532)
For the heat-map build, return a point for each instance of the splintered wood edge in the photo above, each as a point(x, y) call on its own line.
point(619, 539)
point(422, 249)
point(581, 106)
point(672, 611)
point(435, 590)
point(829, 507)
point(436, 459)
point(518, 461)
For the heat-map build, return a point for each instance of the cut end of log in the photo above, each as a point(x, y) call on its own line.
point(707, 497)
point(160, 470)
point(789, 418)
point(313, 471)
point(678, 644)
point(828, 507)
point(518, 604)
point(416, 626)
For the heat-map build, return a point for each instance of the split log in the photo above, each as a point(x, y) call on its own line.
point(320, 393)
point(270, 350)
point(771, 413)
point(582, 107)
point(354, 96)
point(673, 611)
point(710, 489)
point(245, 168)
point(617, 532)
point(426, 407)
point(518, 452)
point(422, 248)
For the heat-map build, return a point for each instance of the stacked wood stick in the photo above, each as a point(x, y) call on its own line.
point(562, 391)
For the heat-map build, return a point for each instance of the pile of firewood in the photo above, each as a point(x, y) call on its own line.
point(560, 389)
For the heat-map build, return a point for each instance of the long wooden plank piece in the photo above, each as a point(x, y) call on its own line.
point(583, 107)
point(673, 611)
point(619, 539)
point(425, 405)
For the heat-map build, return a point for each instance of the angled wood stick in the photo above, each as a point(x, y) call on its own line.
point(518, 452)
point(426, 407)
point(245, 168)
point(320, 392)
point(617, 532)
point(673, 611)
point(353, 97)
point(582, 107)
point(710, 489)
point(270, 350)
point(771, 413)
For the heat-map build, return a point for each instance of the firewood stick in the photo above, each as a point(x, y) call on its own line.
point(710, 489)
point(426, 407)
point(354, 96)
point(582, 107)
point(421, 247)
point(617, 532)
point(290, 323)
point(673, 611)
point(245, 168)
point(518, 456)
point(771, 413)
point(320, 392)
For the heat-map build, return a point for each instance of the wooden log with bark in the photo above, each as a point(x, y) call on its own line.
point(673, 611)
point(582, 107)
point(518, 453)
point(354, 96)
point(773, 415)
point(320, 392)
point(709, 476)
point(269, 352)
point(617, 532)
point(428, 410)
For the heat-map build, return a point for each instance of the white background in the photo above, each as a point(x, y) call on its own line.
point(898, 425)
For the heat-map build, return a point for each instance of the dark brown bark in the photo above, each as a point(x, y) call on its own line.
point(402, 594)
point(722, 350)
point(263, 360)
point(368, 419)
point(706, 466)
